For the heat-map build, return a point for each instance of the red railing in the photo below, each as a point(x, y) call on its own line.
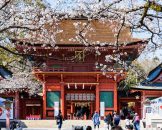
point(49, 69)
point(64, 69)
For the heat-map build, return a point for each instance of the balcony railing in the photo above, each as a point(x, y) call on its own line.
point(49, 69)
point(66, 69)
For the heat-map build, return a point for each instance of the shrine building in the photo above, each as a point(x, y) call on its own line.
point(151, 87)
point(73, 75)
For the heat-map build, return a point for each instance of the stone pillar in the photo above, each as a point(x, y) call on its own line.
point(44, 101)
point(97, 99)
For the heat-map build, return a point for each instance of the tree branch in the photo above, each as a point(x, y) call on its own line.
point(119, 31)
point(19, 27)
point(12, 52)
point(5, 4)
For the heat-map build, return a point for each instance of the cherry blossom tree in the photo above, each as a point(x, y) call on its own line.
point(17, 20)
point(20, 82)
point(36, 21)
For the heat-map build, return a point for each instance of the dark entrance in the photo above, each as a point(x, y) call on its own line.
point(82, 111)
point(80, 101)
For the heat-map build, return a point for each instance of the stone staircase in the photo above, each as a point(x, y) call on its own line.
point(52, 123)
point(66, 123)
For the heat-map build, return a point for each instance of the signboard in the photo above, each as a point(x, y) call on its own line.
point(152, 110)
point(3, 111)
point(56, 108)
point(80, 96)
point(156, 107)
point(102, 108)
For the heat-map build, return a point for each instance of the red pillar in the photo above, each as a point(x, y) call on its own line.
point(17, 98)
point(97, 98)
point(44, 101)
point(63, 100)
point(143, 98)
point(72, 110)
point(115, 97)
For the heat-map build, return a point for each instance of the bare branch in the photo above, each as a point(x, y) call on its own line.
point(119, 31)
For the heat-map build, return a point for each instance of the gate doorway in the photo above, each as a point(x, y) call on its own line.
point(80, 102)
point(80, 110)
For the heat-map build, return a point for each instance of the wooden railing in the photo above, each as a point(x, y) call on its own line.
point(49, 69)
point(64, 69)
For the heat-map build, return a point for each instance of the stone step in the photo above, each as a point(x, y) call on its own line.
point(52, 123)
point(67, 124)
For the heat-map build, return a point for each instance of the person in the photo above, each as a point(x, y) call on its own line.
point(96, 119)
point(136, 122)
point(125, 111)
point(18, 127)
point(59, 120)
point(121, 114)
point(130, 127)
point(116, 119)
point(144, 122)
point(116, 128)
point(13, 125)
point(109, 120)
point(88, 128)
point(128, 124)
point(106, 123)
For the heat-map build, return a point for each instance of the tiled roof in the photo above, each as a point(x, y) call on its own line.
point(100, 32)
point(153, 81)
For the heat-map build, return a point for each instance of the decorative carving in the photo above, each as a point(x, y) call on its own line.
point(79, 56)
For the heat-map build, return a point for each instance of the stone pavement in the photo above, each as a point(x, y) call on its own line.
point(67, 124)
